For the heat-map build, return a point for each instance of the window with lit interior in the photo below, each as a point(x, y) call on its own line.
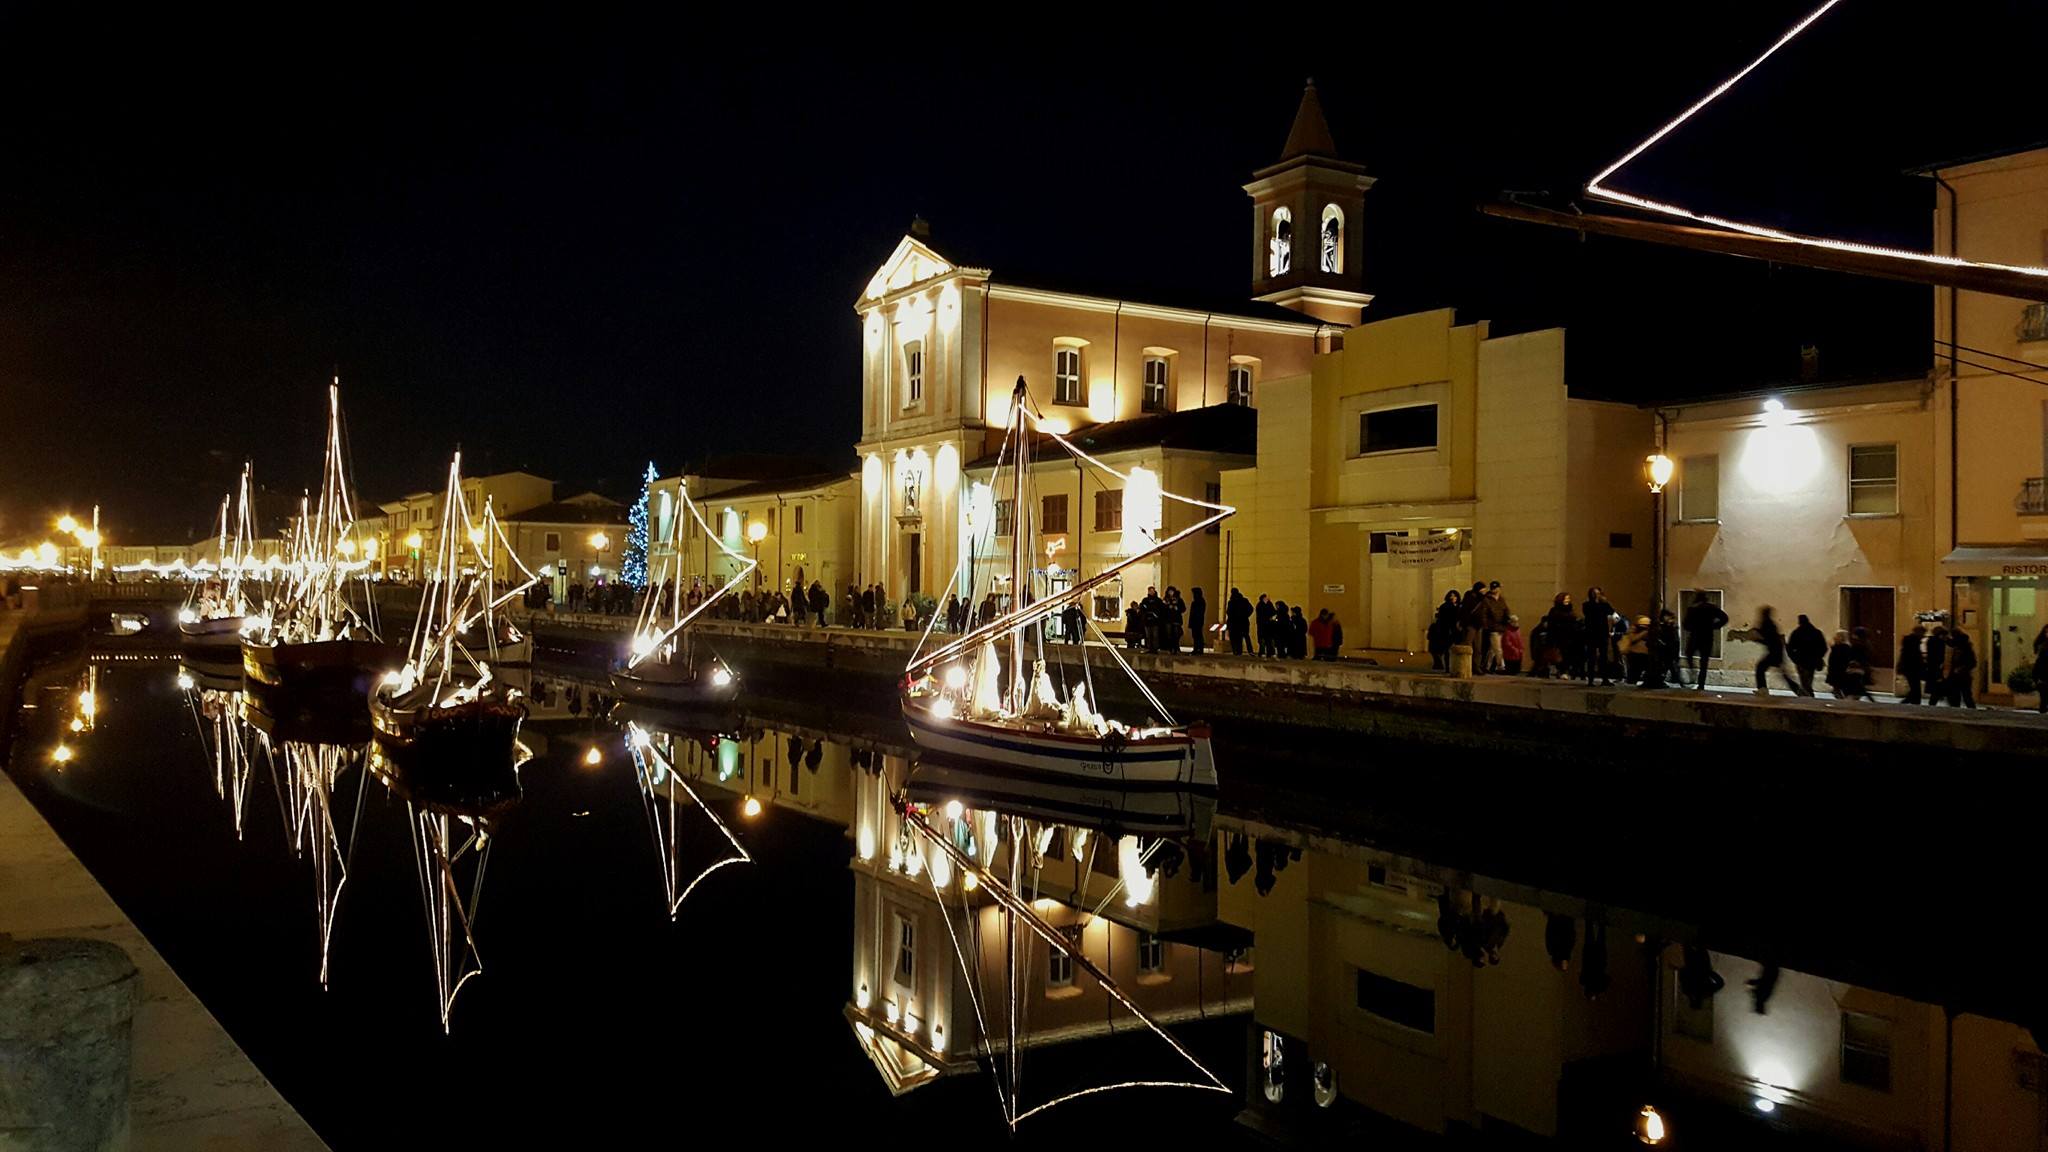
point(1109, 510)
point(1330, 257)
point(1240, 392)
point(1280, 243)
point(1405, 429)
point(906, 951)
point(1158, 373)
point(913, 373)
point(1873, 480)
point(1151, 954)
point(1066, 375)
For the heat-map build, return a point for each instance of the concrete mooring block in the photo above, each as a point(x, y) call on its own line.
point(67, 1014)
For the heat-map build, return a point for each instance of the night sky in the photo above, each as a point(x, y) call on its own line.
point(574, 247)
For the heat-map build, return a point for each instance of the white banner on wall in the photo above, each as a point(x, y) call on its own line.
point(1422, 551)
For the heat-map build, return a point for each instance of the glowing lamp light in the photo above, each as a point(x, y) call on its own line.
point(956, 677)
point(640, 738)
point(889, 1011)
point(953, 809)
point(87, 704)
point(89, 538)
point(643, 644)
point(476, 536)
point(751, 808)
point(942, 709)
point(187, 616)
point(1766, 1105)
point(67, 524)
point(757, 531)
point(370, 546)
point(594, 757)
point(1650, 1125)
point(909, 1024)
point(414, 541)
point(862, 997)
point(1659, 468)
point(867, 845)
point(721, 676)
point(61, 753)
point(600, 541)
point(347, 546)
point(1130, 860)
point(1141, 511)
point(46, 552)
point(184, 681)
point(938, 1037)
point(968, 883)
point(942, 869)
point(1775, 415)
point(77, 725)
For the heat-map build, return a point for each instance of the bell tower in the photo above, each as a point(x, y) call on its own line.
point(1308, 216)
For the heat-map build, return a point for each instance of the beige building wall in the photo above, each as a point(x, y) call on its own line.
point(1609, 512)
point(1782, 532)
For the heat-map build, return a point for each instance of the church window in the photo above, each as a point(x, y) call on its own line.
point(1332, 257)
point(1280, 243)
point(913, 374)
point(1240, 385)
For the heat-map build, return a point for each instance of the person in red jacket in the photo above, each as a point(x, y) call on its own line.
point(1511, 647)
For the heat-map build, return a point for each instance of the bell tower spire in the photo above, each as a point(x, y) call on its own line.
point(1308, 221)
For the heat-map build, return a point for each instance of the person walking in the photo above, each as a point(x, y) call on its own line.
point(1469, 628)
point(1237, 621)
point(1442, 632)
point(1808, 648)
point(1597, 634)
point(1909, 666)
point(1837, 675)
point(1934, 670)
point(1767, 634)
point(1962, 670)
point(1493, 620)
point(865, 615)
point(2041, 669)
point(1198, 622)
point(820, 600)
point(1703, 621)
point(1561, 646)
point(1268, 635)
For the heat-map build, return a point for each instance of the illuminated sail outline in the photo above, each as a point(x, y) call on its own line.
point(646, 642)
point(1021, 910)
point(1597, 186)
point(641, 743)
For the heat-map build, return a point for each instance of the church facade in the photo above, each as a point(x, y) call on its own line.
point(1163, 385)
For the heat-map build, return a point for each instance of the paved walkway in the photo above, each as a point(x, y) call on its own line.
point(193, 1089)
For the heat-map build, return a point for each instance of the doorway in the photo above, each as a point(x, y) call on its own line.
point(915, 578)
point(1871, 609)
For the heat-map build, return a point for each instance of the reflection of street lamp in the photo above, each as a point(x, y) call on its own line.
point(599, 542)
point(757, 532)
point(1657, 469)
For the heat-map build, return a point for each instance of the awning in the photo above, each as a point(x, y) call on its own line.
point(2024, 561)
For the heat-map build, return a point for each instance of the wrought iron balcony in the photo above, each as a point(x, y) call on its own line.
point(2034, 322)
point(2033, 497)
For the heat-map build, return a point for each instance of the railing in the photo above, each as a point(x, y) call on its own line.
point(2033, 497)
point(2034, 322)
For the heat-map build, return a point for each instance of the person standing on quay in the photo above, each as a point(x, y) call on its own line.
point(1935, 668)
point(1703, 620)
point(1297, 635)
point(2041, 669)
point(1237, 620)
point(1268, 636)
point(1493, 620)
point(1474, 633)
point(1198, 622)
point(1443, 632)
point(1808, 648)
point(1910, 666)
point(1962, 670)
point(1598, 636)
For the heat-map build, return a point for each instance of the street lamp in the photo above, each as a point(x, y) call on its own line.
point(1658, 470)
point(598, 543)
point(757, 532)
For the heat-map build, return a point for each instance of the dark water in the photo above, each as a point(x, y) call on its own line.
point(596, 1016)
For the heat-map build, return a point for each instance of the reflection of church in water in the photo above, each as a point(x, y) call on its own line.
point(1162, 380)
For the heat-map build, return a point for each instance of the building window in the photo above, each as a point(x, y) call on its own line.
point(771, 521)
point(1397, 429)
point(797, 528)
point(1109, 607)
point(906, 951)
point(1396, 1001)
point(1621, 539)
point(1685, 599)
point(1867, 1051)
point(1874, 480)
point(1331, 257)
point(1109, 510)
point(1151, 954)
point(1240, 392)
point(1059, 964)
point(1280, 243)
point(1053, 514)
point(552, 542)
point(1699, 488)
point(1158, 370)
point(1006, 517)
point(913, 374)
point(1213, 493)
point(1688, 1021)
point(1066, 375)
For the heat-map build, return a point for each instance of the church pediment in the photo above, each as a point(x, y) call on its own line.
point(912, 262)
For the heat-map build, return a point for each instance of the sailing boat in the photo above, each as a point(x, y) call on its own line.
point(955, 700)
point(210, 623)
point(447, 729)
point(313, 648)
point(662, 666)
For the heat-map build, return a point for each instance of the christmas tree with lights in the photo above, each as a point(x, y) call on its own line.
point(633, 569)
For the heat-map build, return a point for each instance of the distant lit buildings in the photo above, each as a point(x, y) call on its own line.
point(805, 510)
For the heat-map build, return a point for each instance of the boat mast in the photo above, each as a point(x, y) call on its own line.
point(1020, 581)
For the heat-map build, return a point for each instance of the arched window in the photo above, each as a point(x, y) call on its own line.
point(1240, 392)
point(1280, 243)
point(1332, 259)
point(913, 374)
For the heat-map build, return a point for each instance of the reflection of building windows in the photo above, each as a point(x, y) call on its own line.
point(1867, 1051)
point(913, 373)
point(1052, 516)
point(1006, 517)
point(1699, 488)
point(552, 542)
point(1151, 954)
point(1273, 1067)
point(1403, 429)
point(1240, 392)
point(1158, 372)
point(1109, 510)
point(1396, 1001)
point(1059, 966)
point(1331, 256)
point(1873, 479)
point(1688, 1021)
point(1280, 243)
point(906, 951)
point(1066, 375)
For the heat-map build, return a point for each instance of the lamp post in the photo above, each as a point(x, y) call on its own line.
point(757, 531)
point(599, 542)
point(1657, 469)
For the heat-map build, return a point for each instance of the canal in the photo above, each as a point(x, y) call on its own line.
point(1359, 938)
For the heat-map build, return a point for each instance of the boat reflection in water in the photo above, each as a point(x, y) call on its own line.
point(664, 762)
point(308, 755)
point(215, 701)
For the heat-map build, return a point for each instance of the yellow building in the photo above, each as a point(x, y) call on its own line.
point(805, 515)
point(944, 339)
point(409, 534)
point(1425, 455)
point(565, 542)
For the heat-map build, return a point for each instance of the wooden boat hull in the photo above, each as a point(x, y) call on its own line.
point(220, 634)
point(658, 685)
point(1181, 759)
point(323, 686)
point(462, 759)
point(1113, 811)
